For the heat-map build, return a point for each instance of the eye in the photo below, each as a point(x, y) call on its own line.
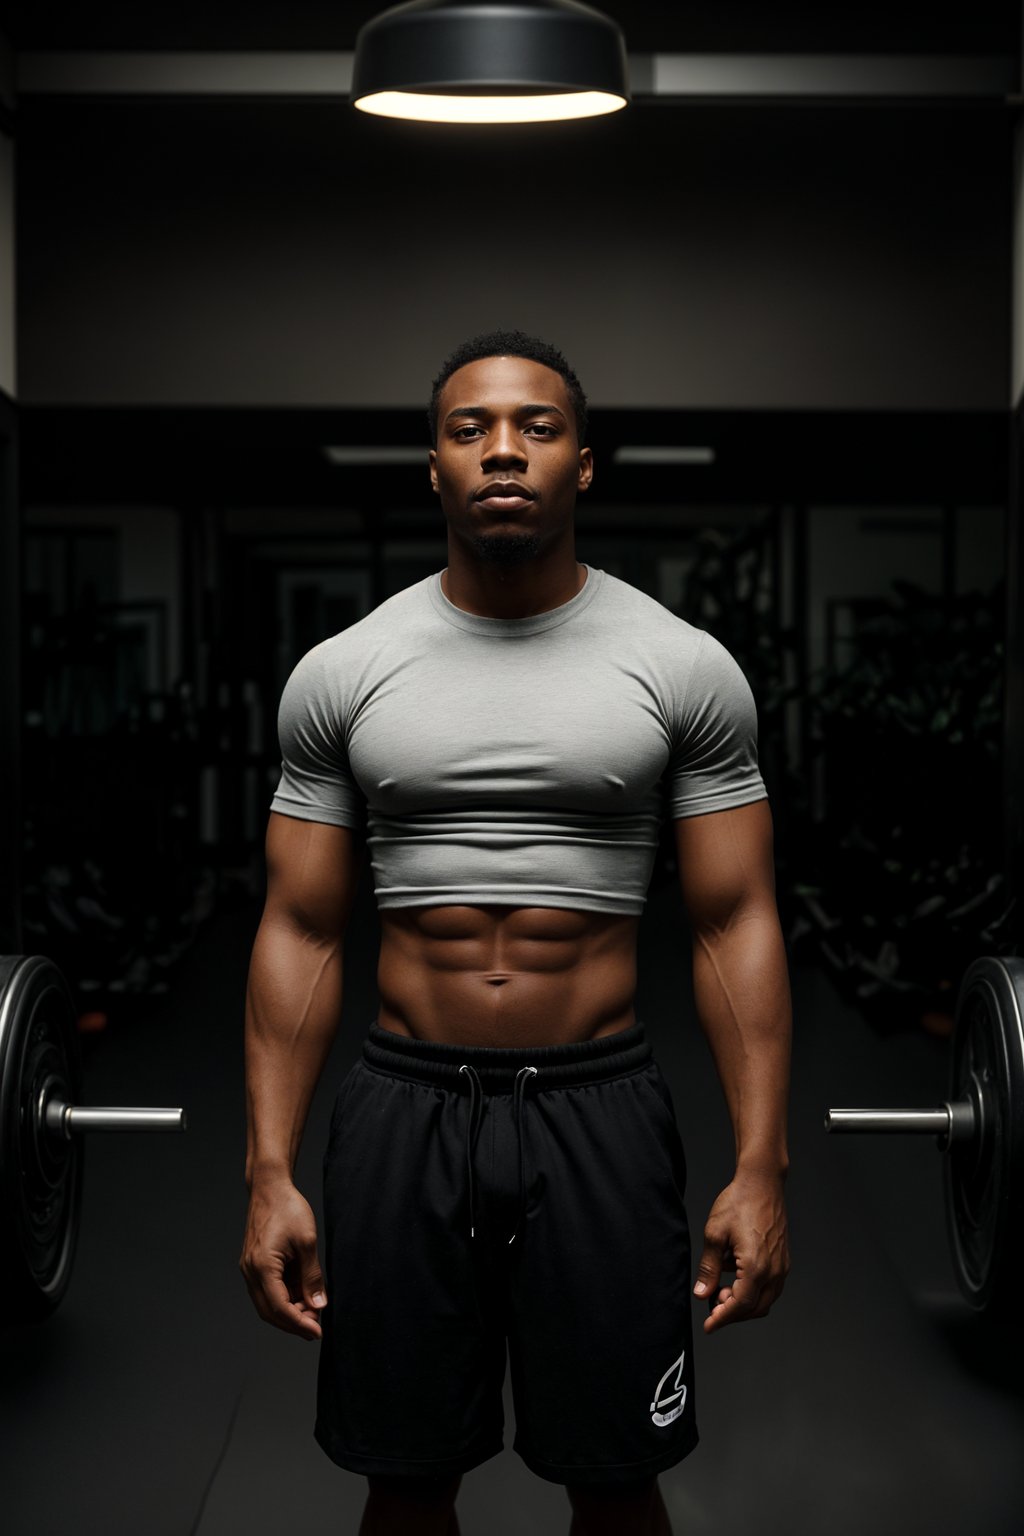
point(536, 426)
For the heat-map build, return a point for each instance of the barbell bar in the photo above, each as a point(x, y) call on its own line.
point(951, 1122)
point(980, 1127)
point(62, 1119)
point(42, 1125)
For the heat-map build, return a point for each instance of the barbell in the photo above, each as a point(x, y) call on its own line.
point(980, 1128)
point(41, 1129)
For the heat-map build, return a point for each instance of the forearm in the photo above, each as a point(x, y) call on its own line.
point(292, 1009)
point(741, 991)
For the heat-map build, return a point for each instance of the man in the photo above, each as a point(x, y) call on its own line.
point(504, 1159)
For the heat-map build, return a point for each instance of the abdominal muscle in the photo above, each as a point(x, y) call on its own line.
point(506, 976)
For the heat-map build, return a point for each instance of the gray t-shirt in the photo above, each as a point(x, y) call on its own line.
point(525, 762)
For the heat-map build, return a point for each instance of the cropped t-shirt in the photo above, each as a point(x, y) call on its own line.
point(529, 762)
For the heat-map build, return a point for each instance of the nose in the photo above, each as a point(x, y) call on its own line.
point(504, 445)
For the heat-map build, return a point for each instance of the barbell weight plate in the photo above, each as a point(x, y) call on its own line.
point(984, 1177)
point(40, 1174)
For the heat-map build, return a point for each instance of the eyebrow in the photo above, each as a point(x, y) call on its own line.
point(521, 410)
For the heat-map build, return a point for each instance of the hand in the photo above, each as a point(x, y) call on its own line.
point(279, 1258)
point(747, 1226)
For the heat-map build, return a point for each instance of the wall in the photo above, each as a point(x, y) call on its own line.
point(298, 253)
point(1017, 269)
point(149, 558)
point(857, 553)
point(1013, 699)
point(8, 368)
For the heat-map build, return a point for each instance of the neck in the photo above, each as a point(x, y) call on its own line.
point(519, 594)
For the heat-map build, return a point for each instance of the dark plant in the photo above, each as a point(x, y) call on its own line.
point(902, 883)
point(897, 884)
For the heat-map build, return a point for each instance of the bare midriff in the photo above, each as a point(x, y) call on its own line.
point(506, 976)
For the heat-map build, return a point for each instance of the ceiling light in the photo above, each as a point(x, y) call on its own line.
point(343, 453)
point(525, 61)
point(667, 455)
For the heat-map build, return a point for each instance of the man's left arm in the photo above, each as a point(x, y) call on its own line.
point(741, 991)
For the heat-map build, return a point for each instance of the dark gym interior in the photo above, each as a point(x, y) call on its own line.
point(797, 309)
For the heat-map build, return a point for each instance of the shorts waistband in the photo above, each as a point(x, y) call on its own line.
point(563, 1066)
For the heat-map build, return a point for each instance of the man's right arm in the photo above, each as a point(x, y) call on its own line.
point(294, 993)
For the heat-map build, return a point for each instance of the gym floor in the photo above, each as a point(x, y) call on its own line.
point(156, 1400)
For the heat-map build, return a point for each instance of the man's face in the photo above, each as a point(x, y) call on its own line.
point(507, 418)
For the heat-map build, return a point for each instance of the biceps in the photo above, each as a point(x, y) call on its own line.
point(726, 865)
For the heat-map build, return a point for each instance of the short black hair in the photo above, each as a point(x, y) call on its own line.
point(510, 344)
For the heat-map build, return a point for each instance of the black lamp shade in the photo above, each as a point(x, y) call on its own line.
point(521, 47)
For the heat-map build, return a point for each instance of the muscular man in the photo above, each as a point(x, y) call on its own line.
point(504, 1161)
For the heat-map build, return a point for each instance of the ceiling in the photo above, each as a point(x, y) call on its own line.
point(680, 26)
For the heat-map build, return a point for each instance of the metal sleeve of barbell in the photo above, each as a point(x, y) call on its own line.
point(907, 1122)
point(75, 1118)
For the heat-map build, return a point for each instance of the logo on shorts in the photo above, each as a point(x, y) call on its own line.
point(676, 1389)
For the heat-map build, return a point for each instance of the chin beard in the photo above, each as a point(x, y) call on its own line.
point(506, 551)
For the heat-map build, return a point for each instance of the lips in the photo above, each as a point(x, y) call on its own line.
point(504, 496)
point(504, 503)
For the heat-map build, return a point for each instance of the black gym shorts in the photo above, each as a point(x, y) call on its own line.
point(474, 1194)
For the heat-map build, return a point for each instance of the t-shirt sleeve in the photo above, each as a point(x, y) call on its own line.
point(714, 759)
point(316, 781)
